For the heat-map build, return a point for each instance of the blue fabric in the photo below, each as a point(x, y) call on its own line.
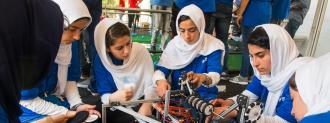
point(201, 64)
point(49, 83)
point(227, 2)
point(284, 106)
point(29, 116)
point(281, 9)
point(205, 5)
point(104, 79)
point(318, 118)
point(167, 3)
point(257, 12)
point(95, 9)
point(246, 68)
point(3, 115)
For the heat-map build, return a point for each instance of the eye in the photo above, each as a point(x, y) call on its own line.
point(193, 29)
point(119, 48)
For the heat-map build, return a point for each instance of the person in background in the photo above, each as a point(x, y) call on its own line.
point(268, 10)
point(222, 18)
point(58, 91)
point(192, 52)
point(310, 93)
point(160, 22)
point(133, 18)
point(298, 11)
point(207, 6)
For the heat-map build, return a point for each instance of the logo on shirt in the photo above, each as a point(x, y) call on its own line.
point(204, 60)
point(281, 99)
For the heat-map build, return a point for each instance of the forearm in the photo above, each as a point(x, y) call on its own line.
point(43, 107)
point(271, 119)
point(242, 7)
point(72, 94)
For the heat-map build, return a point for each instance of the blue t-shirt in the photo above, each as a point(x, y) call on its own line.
point(104, 80)
point(205, 5)
point(281, 9)
point(201, 64)
point(284, 105)
point(227, 2)
point(257, 12)
point(318, 118)
point(167, 3)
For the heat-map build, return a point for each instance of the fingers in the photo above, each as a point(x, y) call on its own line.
point(128, 94)
point(217, 102)
point(94, 112)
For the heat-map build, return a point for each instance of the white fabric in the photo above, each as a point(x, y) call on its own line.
point(178, 53)
point(215, 78)
point(271, 119)
point(284, 62)
point(63, 60)
point(72, 94)
point(158, 75)
point(43, 107)
point(137, 70)
point(73, 10)
point(313, 83)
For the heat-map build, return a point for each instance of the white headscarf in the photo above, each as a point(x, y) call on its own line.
point(72, 11)
point(137, 70)
point(178, 53)
point(313, 83)
point(284, 62)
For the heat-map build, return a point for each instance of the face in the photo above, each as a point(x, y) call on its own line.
point(72, 32)
point(299, 108)
point(188, 31)
point(261, 59)
point(121, 48)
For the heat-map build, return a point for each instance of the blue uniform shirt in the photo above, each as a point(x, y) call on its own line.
point(205, 5)
point(48, 85)
point(104, 80)
point(257, 12)
point(318, 118)
point(167, 3)
point(281, 9)
point(284, 105)
point(201, 64)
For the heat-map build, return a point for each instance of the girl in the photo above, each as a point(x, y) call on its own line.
point(274, 57)
point(310, 92)
point(58, 91)
point(191, 51)
point(123, 70)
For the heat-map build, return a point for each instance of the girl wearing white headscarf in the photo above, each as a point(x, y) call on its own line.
point(123, 69)
point(274, 57)
point(310, 91)
point(191, 51)
point(58, 91)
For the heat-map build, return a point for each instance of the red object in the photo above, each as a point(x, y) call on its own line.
point(121, 3)
point(133, 3)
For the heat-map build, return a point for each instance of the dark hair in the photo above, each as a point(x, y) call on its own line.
point(293, 84)
point(115, 31)
point(260, 38)
point(183, 18)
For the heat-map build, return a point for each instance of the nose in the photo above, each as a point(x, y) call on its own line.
point(126, 51)
point(186, 35)
point(255, 62)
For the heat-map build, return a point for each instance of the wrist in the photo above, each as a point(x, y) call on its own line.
point(74, 108)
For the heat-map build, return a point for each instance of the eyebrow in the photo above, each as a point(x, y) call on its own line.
point(258, 53)
point(188, 28)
